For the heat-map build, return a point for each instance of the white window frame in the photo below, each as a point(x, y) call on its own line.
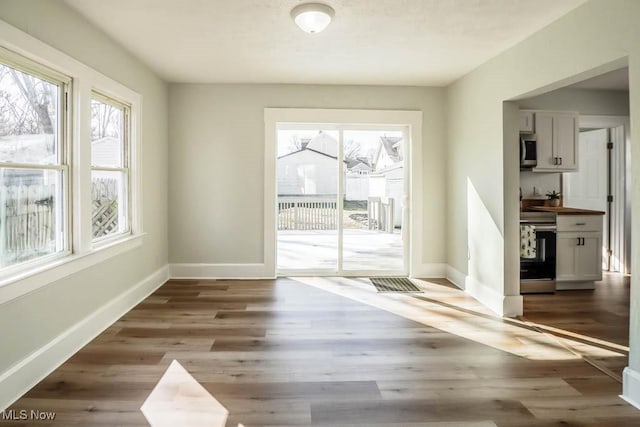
point(84, 252)
point(125, 168)
point(28, 66)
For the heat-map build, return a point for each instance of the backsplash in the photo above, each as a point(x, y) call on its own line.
point(543, 182)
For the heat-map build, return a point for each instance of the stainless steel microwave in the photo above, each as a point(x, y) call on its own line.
point(528, 156)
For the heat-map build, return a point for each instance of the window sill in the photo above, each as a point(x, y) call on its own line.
point(21, 283)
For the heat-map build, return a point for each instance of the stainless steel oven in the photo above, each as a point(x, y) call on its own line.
point(538, 252)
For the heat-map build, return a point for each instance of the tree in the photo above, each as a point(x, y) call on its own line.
point(26, 103)
point(351, 149)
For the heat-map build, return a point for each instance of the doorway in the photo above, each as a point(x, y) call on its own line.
point(602, 183)
point(346, 124)
point(341, 198)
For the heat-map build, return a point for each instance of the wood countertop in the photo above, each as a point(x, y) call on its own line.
point(560, 210)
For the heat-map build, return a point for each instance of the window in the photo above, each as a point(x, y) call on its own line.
point(34, 171)
point(109, 167)
point(70, 183)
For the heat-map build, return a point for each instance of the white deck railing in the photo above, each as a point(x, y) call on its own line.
point(307, 213)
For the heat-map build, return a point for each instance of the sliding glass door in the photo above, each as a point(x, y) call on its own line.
point(341, 193)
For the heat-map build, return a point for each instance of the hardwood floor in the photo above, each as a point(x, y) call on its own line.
point(593, 323)
point(326, 352)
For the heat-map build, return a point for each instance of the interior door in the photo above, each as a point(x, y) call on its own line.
point(588, 187)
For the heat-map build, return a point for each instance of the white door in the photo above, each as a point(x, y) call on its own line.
point(587, 188)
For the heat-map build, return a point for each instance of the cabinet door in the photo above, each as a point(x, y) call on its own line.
point(589, 259)
point(565, 140)
point(526, 121)
point(578, 256)
point(544, 133)
point(566, 256)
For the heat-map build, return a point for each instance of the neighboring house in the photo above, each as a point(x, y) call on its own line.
point(358, 166)
point(25, 149)
point(307, 172)
point(387, 179)
point(389, 152)
point(324, 143)
point(106, 152)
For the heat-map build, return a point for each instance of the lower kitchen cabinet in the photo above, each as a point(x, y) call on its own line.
point(579, 248)
point(579, 256)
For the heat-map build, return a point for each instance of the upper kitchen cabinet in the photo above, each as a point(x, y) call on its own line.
point(526, 122)
point(557, 141)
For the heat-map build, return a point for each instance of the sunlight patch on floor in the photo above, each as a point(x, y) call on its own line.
point(179, 400)
point(451, 311)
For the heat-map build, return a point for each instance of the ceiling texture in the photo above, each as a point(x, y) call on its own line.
point(378, 42)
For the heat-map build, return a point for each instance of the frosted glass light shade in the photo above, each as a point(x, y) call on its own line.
point(312, 17)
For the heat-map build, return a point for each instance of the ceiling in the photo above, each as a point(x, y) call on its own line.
point(395, 42)
point(614, 80)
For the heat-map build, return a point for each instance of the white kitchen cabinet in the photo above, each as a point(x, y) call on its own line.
point(557, 146)
point(579, 248)
point(526, 122)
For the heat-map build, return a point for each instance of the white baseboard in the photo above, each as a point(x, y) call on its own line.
point(426, 271)
point(631, 386)
point(17, 380)
point(219, 271)
point(456, 277)
point(572, 286)
point(483, 293)
point(503, 305)
point(512, 305)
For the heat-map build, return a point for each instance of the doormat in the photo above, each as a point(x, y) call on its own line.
point(394, 284)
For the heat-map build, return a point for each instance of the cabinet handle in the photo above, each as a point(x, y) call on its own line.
point(581, 223)
point(560, 160)
point(578, 243)
point(582, 241)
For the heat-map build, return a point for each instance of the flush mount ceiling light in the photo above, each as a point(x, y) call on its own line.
point(312, 17)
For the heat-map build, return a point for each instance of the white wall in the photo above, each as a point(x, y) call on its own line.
point(216, 152)
point(584, 101)
point(30, 322)
point(594, 38)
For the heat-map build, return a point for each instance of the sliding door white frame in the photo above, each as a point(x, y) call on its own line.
point(345, 120)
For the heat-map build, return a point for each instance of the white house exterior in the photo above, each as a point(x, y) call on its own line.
point(324, 143)
point(307, 172)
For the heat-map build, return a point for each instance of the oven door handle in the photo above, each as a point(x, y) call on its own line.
point(543, 250)
point(546, 227)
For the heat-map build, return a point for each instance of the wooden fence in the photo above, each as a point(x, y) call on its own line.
point(27, 218)
point(28, 222)
point(307, 213)
point(104, 196)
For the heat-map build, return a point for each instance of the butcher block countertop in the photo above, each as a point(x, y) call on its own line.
point(564, 210)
